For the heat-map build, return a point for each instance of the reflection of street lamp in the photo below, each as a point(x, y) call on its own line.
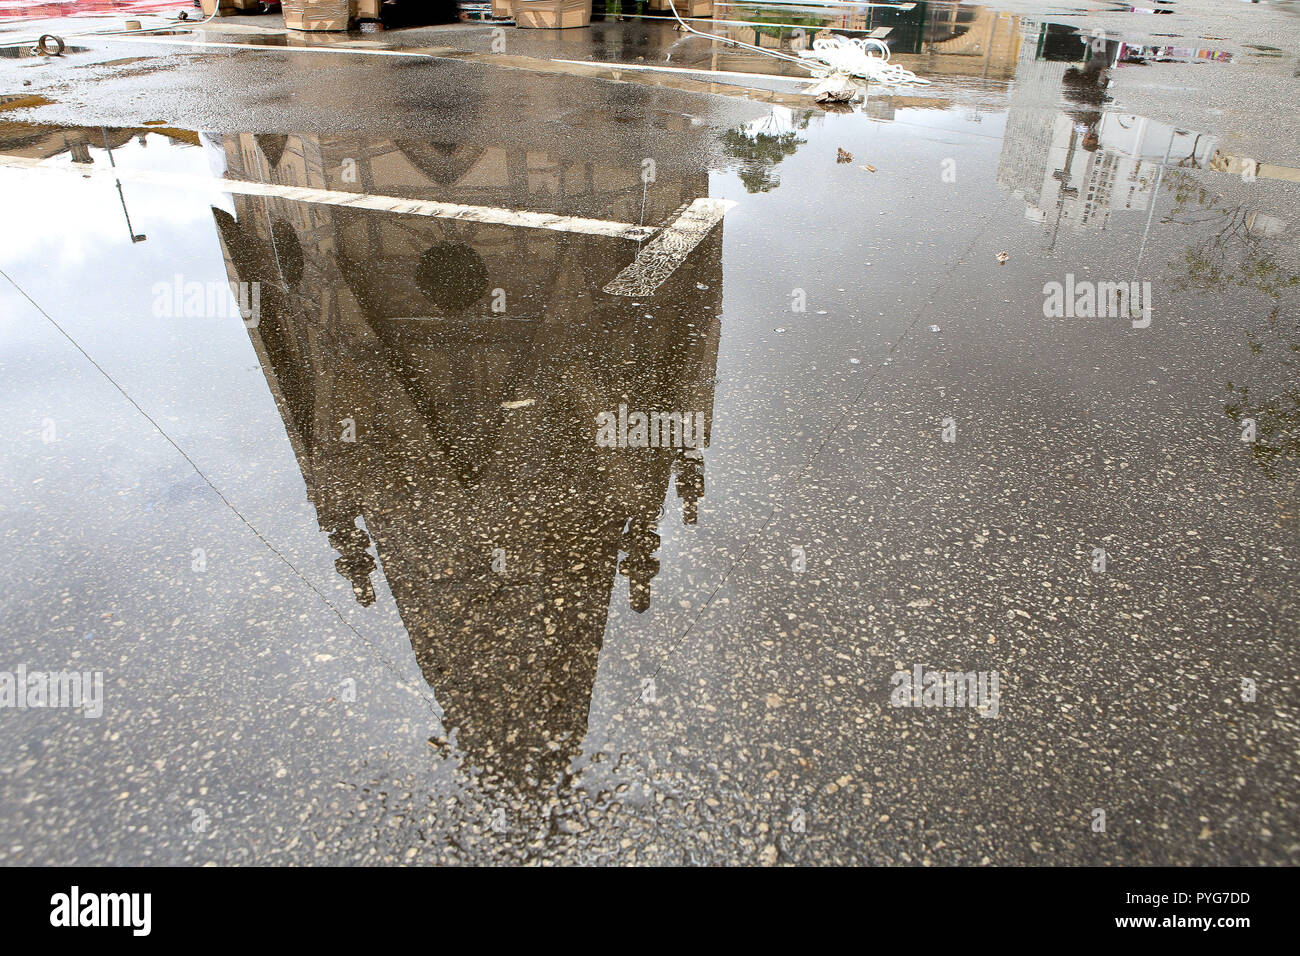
point(120, 195)
point(1063, 176)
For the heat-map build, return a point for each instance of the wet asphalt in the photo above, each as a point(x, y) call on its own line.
point(366, 586)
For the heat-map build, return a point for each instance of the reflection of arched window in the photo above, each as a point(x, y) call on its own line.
point(443, 163)
point(272, 146)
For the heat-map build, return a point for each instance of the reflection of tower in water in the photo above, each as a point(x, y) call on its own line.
point(500, 526)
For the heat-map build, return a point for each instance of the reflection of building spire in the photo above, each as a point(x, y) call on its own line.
point(364, 324)
point(690, 483)
point(355, 562)
point(640, 541)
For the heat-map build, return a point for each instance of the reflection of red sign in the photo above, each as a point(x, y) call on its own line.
point(70, 8)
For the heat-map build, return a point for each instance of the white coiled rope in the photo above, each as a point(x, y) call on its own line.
point(852, 57)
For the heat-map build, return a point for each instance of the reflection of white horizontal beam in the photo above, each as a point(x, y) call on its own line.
point(661, 256)
point(274, 47)
point(812, 3)
point(391, 204)
point(691, 70)
point(762, 23)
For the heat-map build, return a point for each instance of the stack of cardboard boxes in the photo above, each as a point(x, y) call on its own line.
point(551, 14)
point(326, 14)
point(228, 7)
point(317, 14)
point(685, 8)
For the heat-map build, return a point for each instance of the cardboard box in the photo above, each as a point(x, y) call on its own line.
point(367, 9)
point(552, 14)
point(317, 14)
point(228, 7)
point(685, 8)
point(503, 8)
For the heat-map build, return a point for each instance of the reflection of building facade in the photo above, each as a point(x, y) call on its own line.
point(961, 41)
point(1047, 163)
point(501, 528)
point(1077, 171)
point(39, 141)
point(1032, 115)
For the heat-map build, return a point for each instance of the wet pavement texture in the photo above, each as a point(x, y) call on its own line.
point(312, 363)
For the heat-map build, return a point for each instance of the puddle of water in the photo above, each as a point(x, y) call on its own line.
point(434, 414)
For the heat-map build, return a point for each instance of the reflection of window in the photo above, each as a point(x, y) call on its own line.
point(288, 251)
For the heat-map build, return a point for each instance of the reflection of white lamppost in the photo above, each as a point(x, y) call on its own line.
point(1063, 176)
point(1155, 195)
point(120, 195)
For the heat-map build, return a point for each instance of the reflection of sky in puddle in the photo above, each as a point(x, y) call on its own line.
point(99, 212)
point(85, 271)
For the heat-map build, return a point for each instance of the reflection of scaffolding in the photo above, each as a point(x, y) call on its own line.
point(387, 322)
point(907, 26)
point(931, 39)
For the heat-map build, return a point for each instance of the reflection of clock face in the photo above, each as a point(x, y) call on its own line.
point(451, 274)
